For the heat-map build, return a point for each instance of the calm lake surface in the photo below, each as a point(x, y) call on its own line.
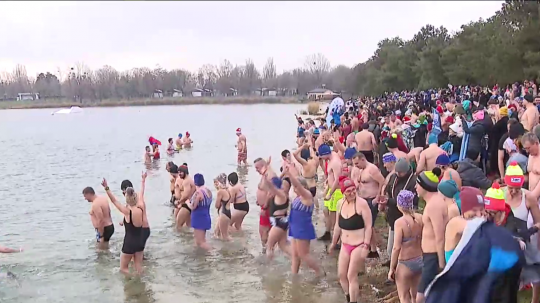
point(47, 160)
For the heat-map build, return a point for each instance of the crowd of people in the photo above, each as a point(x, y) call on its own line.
point(454, 173)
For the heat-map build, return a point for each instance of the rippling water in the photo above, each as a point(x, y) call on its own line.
point(47, 160)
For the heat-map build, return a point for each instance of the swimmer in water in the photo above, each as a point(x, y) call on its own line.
point(278, 206)
point(241, 146)
point(156, 154)
point(100, 214)
point(239, 200)
point(184, 189)
point(223, 197)
point(133, 246)
point(173, 171)
point(187, 141)
point(200, 211)
point(141, 203)
point(301, 226)
point(148, 154)
point(178, 142)
point(170, 148)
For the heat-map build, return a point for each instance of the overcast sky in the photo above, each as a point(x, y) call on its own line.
point(47, 36)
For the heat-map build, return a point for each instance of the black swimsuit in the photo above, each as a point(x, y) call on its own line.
point(280, 221)
point(224, 210)
point(354, 222)
point(244, 206)
point(133, 239)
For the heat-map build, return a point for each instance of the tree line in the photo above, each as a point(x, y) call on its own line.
point(82, 83)
point(500, 50)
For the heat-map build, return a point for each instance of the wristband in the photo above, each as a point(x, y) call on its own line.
point(106, 188)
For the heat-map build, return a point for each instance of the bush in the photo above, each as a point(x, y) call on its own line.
point(313, 108)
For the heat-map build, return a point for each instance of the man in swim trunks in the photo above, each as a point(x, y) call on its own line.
point(366, 143)
point(100, 214)
point(435, 218)
point(148, 154)
point(370, 183)
point(263, 197)
point(332, 193)
point(241, 146)
point(184, 188)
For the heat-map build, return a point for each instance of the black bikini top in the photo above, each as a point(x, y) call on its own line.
point(275, 207)
point(355, 222)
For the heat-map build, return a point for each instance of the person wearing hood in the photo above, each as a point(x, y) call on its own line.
point(402, 178)
point(476, 130)
point(513, 126)
point(499, 129)
point(470, 173)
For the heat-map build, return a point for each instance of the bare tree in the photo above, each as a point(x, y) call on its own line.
point(269, 74)
point(318, 65)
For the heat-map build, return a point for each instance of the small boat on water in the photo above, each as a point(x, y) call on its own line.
point(72, 110)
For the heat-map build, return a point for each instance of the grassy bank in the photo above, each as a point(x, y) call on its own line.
point(58, 103)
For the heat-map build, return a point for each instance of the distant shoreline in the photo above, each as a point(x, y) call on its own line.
point(64, 103)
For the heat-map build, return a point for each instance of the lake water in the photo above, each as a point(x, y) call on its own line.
point(47, 160)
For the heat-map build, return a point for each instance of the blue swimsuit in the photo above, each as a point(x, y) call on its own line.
point(300, 221)
point(200, 216)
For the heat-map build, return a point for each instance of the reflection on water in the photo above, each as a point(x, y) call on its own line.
point(48, 160)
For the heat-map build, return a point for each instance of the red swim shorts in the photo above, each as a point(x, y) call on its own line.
point(264, 219)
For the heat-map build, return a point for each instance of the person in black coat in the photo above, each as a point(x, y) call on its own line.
point(476, 131)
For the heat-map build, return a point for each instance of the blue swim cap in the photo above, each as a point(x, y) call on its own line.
point(349, 153)
point(180, 135)
point(198, 179)
point(277, 182)
point(316, 131)
point(324, 150)
point(432, 139)
point(443, 159)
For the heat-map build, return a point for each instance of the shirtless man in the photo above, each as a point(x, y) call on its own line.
point(241, 146)
point(184, 188)
point(355, 124)
point(332, 192)
point(100, 214)
point(531, 145)
point(187, 140)
point(392, 145)
point(148, 154)
point(370, 183)
point(310, 162)
point(435, 218)
point(288, 161)
point(366, 143)
point(428, 157)
point(448, 173)
point(529, 119)
point(178, 142)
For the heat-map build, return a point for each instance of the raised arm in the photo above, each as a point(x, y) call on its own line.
point(296, 155)
point(111, 196)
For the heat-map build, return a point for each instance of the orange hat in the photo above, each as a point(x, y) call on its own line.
point(514, 175)
point(494, 198)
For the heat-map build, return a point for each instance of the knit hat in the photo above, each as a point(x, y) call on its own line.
point(429, 180)
point(349, 153)
point(324, 150)
point(514, 175)
point(345, 183)
point(402, 166)
point(388, 157)
point(443, 160)
point(392, 141)
point(503, 111)
point(432, 139)
point(470, 198)
point(494, 198)
point(448, 188)
point(405, 199)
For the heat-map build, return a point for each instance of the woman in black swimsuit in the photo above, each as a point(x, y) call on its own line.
point(239, 200)
point(223, 206)
point(141, 204)
point(278, 208)
point(133, 246)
